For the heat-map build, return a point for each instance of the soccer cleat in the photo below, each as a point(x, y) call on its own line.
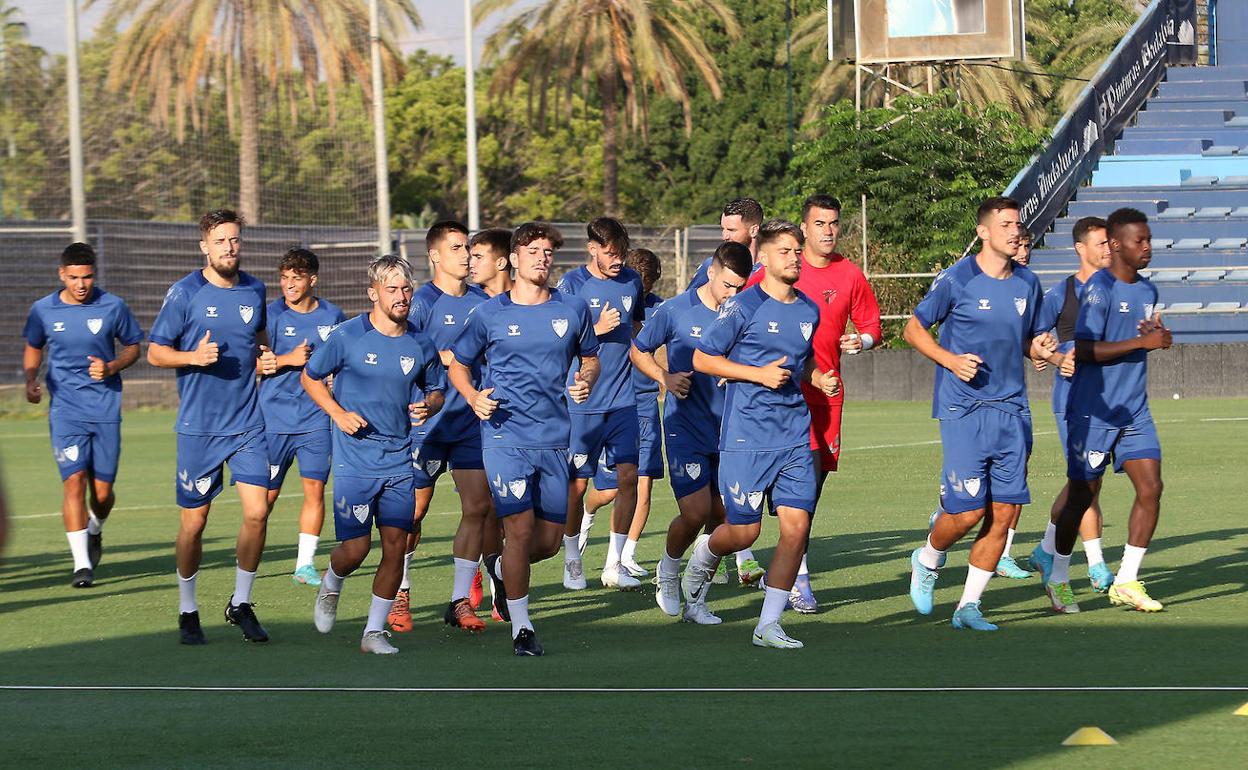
point(378, 643)
point(498, 591)
point(614, 576)
point(1100, 577)
point(969, 616)
point(83, 578)
point(476, 594)
point(750, 572)
point(1062, 597)
point(698, 613)
point(574, 575)
point(1041, 562)
point(696, 580)
point(772, 635)
point(400, 617)
point(95, 548)
point(922, 584)
point(633, 568)
point(721, 574)
point(1132, 594)
point(494, 616)
point(325, 610)
point(931, 520)
point(307, 575)
point(801, 598)
point(525, 644)
point(245, 618)
point(1008, 568)
point(459, 614)
point(189, 629)
point(668, 594)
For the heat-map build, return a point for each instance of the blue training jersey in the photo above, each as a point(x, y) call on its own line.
point(529, 349)
point(1051, 311)
point(646, 389)
point(691, 422)
point(221, 399)
point(1112, 394)
point(286, 406)
point(993, 318)
point(73, 332)
point(624, 292)
point(443, 317)
point(755, 329)
point(377, 376)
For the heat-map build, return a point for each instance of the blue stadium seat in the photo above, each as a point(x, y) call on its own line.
point(1237, 276)
point(1220, 151)
point(1177, 212)
point(1205, 276)
point(1191, 117)
point(1212, 212)
point(1168, 276)
point(1232, 242)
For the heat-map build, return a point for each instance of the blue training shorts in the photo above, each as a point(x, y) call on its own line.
point(359, 502)
point(86, 446)
point(691, 470)
point(521, 479)
point(201, 460)
point(748, 479)
point(649, 455)
point(431, 459)
point(1092, 449)
point(985, 457)
point(313, 450)
point(614, 435)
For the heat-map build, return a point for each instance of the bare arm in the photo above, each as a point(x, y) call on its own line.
point(460, 378)
point(319, 392)
point(964, 366)
point(772, 376)
point(676, 383)
point(100, 369)
point(584, 379)
point(32, 358)
point(205, 353)
point(827, 382)
point(427, 407)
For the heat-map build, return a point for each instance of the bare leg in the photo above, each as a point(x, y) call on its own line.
point(251, 534)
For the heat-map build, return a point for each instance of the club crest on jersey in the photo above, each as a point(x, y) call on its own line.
point(595, 302)
point(560, 325)
point(773, 327)
point(807, 328)
point(499, 486)
point(1124, 307)
point(972, 487)
point(513, 330)
point(202, 485)
point(210, 311)
point(273, 469)
point(1095, 459)
point(517, 487)
point(1020, 304)
point(246, 312)
point(756, 499)
point(324, 331)
point(370, 358)
point(448, 320)
point(406, 363)
point(58, 326)
point(984, 304)
point(693, 470)
point(360, 512)
point(95, 324)
point(829, 296)
point(579, 460)
point(627, 302)
point(696, 331)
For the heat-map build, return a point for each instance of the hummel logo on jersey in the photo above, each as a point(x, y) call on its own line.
point(1124, 307)
point(406, 363)
point(579, 460)
point(560, 325)
point(448, 320)
point(1095, 459)
point(360, 512)
point(340, 506)
point(324, 332)
point(273, 469)
point(734, 492)
point(984, 304)
point(95, 324)
point(58, 326)
point(1148, 310)
point(246, 312)
point(517, 488)
point(627, 302)
point(289, 331)
point(499, 486)
point(972, 487)
point(416, 455)
point(696, 331)
point(211, 311)
point(756, 499)
point(693, 470)
point(595, 302)
point(185, 480)
point(370, 358)
point(807, 328)
point(1020, 304)
point(513, 330)
point(773, 327)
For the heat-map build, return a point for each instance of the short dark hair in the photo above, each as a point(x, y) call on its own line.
point(1123, 217)
point(78, 253)
point(1087, 225)
point(735, 257)
point(218, 217)
point(532, 231)
point(646, 263)
point(496, 239)
point(608, 231)
point(820, 201)
point(439, 230)
point(992, 205)
point(750, 210)
point(299, 261)
point(772, 229)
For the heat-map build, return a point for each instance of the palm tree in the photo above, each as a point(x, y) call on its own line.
point(177, 52)
point(626, 48)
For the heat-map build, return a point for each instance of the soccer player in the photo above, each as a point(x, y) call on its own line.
point(650, 429)
point(1061, 304)
point(79, 325)
point(529, 337)
point(387, 378)
point(605, 429)
point(739, 223)
point(1107, 415)
point(211, 329)
point(692, 414)
point(988, 308)
point(489, 263)
point(452, 438)
point(1023, 255)
point(295, 427)
point(761, 343)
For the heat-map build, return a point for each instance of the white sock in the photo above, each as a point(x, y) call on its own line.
point(406, 584)
point(587, 521)
point(628, 554)
point(669, 565)
point(976, 581)
point(307, 549)
point(803, 569)
point(1093, 550)
point(571, 548)
point(94, 525)
point(519, 610)
point(743, 556)
point(78, 549)
point(1049, 543)
point(930, 556)
point(186, 593)
point(243, 581)
point(332, 581)
point(1061, 568)
point(773, 607)
point(377, 612)
point(1129, 567)
point(1009, 541)
point(465, 571)
point(614, 547)
point(702, 557)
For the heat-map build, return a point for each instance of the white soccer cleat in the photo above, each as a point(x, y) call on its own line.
point(772, 635)
point(696, 580)
point(668, 595)
point(615, 577)
point(574, 575)
point(378, 643)
point(635, 569)
point(325, 610)
point(698, 613)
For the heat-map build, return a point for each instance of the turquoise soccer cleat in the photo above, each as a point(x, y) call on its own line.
point(1100, 577)
point(1008, 568)
point(1041, 562)
point(969, 616)
point(308, 576)
point(922, 584)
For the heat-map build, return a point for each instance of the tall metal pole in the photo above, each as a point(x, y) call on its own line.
point(470, 105)
point(379, 132)
point(77, 186)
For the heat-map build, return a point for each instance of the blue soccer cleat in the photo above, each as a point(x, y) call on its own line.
point(801, 598)
point(1041, 562)
point(922, 584)
point(1008, 568)
point(1100, 577)
point(308, 576)
point(969, 616)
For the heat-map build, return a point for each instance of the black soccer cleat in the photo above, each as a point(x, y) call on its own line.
point(526, 645)
point(245, 618)
point(498, 592)
point(83, 578)
point(95, 548)
point(189, 628)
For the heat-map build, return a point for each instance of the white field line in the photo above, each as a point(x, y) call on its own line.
point(619, 690)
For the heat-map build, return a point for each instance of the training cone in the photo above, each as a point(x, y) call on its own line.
point(1242, 711)
point(1089, 736)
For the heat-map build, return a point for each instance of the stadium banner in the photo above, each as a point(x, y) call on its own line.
point(1134, 68)
point(1181, 36)
point(1044, 186)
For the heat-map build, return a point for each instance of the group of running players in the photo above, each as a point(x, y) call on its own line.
point(528, 392)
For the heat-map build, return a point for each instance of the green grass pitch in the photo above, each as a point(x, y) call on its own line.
point(123, 632)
